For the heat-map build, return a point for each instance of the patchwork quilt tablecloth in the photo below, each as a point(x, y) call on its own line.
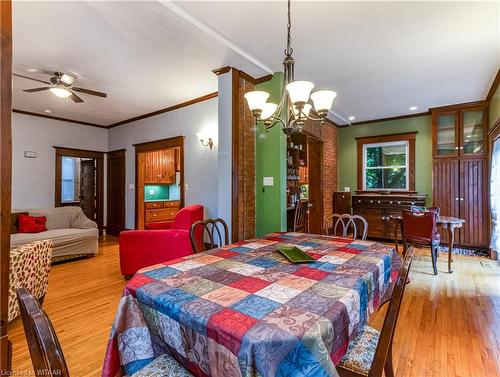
point(245, 310)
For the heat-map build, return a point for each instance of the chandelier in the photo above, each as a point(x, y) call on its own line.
point(294, 107)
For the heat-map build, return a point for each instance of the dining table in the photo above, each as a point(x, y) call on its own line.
point(246, 310)
point(448, 223)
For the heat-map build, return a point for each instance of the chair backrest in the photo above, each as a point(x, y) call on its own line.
point(419, 227)
point(187, 216)
point(216, 231)
point(387, 333)
point(300, 217)
point(46, 353)
point(339, 225)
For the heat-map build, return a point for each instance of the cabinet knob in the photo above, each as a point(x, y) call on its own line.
point(456, 148)
point(371, 201)
point(461, 148)
point(456, 198)
point(412, 203)
point(391, 202)
point(378, 201)
point(399, 202)
point(359, 201)
point(154, 215)
point(461, 199)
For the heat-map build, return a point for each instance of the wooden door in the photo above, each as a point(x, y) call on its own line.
point(116, 192)
point(446, 189)
point(341, 202)
point(375, 219)
point(314, 153)
point(88, 188)
point(474, 203)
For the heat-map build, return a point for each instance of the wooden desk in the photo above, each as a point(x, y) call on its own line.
point(446, 222)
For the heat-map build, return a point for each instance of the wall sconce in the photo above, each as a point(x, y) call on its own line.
point(205, 140)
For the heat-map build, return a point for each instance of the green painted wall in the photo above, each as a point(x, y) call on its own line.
point(347, 150)
point(495, 108)
point(270, 162)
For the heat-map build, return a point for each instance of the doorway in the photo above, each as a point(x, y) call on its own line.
point(79, 181)
point(115, 222)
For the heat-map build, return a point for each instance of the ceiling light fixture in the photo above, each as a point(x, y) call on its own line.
point(293, 108)
point(60, 92)
point(351, 118)
point(413, 108)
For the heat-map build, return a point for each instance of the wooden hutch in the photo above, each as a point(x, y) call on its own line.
point(460, 169)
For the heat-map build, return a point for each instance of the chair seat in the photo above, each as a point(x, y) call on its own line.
point(361, 352)
point(163, 366)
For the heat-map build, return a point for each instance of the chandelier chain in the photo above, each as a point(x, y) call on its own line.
point(289, 49)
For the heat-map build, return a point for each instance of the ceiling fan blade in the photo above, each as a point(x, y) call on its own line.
point(30, 78)
point(36, 89)
point(88, 91)
point(75, 98)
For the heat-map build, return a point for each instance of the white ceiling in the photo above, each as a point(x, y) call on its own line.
point(380, 57)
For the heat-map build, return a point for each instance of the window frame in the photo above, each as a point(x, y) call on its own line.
point(406, 144)
point(408, 137)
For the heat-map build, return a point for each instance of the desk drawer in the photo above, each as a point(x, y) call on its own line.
point(171, 204)
point(160, 214)
point(154, 205)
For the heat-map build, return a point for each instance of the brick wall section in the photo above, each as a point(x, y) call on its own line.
point(328, 134)
point(247, 166)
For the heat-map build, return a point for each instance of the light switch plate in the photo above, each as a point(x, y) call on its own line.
point(347, 189)
point(186, 187)
point(131, 186)
point(268, 181)
point(29, 154)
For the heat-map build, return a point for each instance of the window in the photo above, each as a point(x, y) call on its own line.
point(385, 166)
point(386, 162)
point(69, 179)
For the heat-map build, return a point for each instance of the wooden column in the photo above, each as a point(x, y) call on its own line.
point(5, 174)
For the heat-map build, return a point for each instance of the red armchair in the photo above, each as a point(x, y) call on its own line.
point(142, 248)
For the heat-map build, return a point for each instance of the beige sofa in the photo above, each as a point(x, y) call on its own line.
point(71, 232)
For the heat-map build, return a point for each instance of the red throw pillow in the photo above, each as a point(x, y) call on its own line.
point(31, 224)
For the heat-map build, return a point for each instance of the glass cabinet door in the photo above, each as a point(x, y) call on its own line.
point(446, 135)
point(472, 132)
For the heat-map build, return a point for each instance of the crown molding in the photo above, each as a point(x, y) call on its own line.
point(246, 76)
point(388, 119)
point(457, 106)
point(165, 110)
point(58, 118)
point(494, 87)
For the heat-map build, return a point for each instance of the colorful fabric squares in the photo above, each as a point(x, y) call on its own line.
point(250, 284)
point(263, 262)
point(170, 332)
point(187, 265)
point(223, 363)
point(312, 302)
point(311, 273)
point(255, 306)
point(246, 269)
point(296, 282)
point(135, 344)
point(241, 249)
point(225, 296)
point(328, 267)
point(204, 271)
point(208, 259)
point(228, 327)
point(146, 293)
point(170, 303)
point(225, 277)
point(279, 293)
point(259, 243)
point(196, 313)
point(180, 279)
point(264, 347)
point(294, 320)
point(138, 281)
point(196, 349)
point(225, 264)
point(160, 273)
point(201, 286)
point(224, 253)
point(301, 362)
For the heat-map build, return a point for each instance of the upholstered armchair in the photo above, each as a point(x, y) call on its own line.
point(170, 240)
point(29, 268)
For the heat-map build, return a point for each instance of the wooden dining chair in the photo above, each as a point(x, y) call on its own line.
point(370, 353)
point(339, 225)
point(300, 217)
point(46, 353)
point(419, 229)
point(216, 230)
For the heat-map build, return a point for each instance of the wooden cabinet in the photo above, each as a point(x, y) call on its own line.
point(377, 210)
point(159, 167)
point(460, 132)
point(460, 173)
point(160, 211)
point(341, 202)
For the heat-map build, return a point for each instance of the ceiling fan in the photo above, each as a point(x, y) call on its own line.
point(61, 85)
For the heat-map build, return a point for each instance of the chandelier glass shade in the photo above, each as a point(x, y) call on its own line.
point(296, 102)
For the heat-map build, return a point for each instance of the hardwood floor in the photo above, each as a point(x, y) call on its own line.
point(449, 325)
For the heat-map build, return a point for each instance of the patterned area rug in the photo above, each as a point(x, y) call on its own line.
point(467, 252)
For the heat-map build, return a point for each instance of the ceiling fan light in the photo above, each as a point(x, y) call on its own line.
point(305, 110)
point(256, 100)
point(299, 91)
point(60, 92)
point(323, 101)
point(268, 110)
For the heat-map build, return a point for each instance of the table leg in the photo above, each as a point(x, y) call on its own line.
point(396, 244)
point(451, 237)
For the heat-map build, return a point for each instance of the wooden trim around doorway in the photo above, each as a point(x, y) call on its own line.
point(172, 142)
point(82, 153)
